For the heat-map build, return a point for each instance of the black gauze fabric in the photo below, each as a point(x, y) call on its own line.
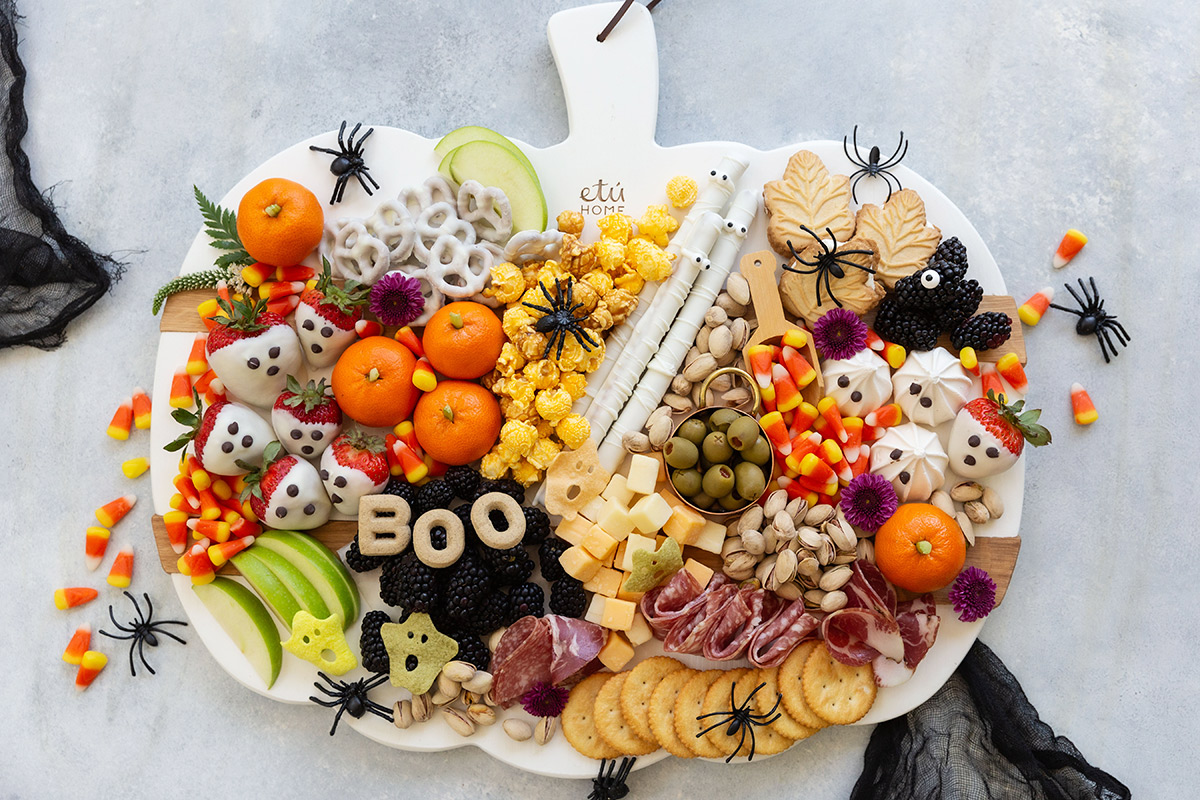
point(47, 276)
point(978, 738)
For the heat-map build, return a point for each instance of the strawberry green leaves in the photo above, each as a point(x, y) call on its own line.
point(1025, 422)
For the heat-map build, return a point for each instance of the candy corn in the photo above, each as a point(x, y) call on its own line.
point(875, 341)
point(777, 432)
point(366, 328)
point(283, 305)
point(205, 381)
point(803, 418)
point(829, 412)
point(196, 564)
point(436, 468)
point(296, 272)
point(797, 366)
point(197, 363)
point(277, 289)
point(221, 552)
point(884, 416)
point(1082, 406)
point(122, 421)
point(423, 377)
point(969, 360)
point(73, 596)
point(135, 467)
point(1072, 242)
point(242, 528)
point(210, 508)
point(1032, 309)
point(787, 395)
point(113, 511)
point(141, 409)
point(1009, 366)
point(795, 337)
point(216, 529)
point(183, 484)
point(256, 273)
point(408, 435)
point(854, 430)
point(802, 445)
point(177, 529)
point(81, 640)
point(761, 356)
point(181, 390)
point(120, 574)
point(200, 478)
point(990, 381)
point(90, 664)
point(406, 337)
point(767, 395)
point(412, 466)
point(890, 352)
point(95, 543)
point(215, 392)
point(208, 310)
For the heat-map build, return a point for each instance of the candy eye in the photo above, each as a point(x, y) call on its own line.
point(713, 173)
point(930, 279)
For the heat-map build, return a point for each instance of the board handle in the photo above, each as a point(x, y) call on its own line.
point(610, 87)
point(759, 271)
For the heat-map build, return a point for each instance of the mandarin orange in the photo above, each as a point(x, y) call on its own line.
point(280, 222)
point(372, 382)
point(457, 422)
point(463, 340)
point(921, 548)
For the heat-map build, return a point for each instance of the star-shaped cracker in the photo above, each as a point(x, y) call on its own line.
point(904, 242)
point(652, 568)
point(311, 637)
point(417, 652)
point(806, 195)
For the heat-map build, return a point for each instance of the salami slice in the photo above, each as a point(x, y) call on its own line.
point(526, 662)
point(855, 636)
point(689, 633)
point(573, 644)
point(775, 640)
point(663, 605)
point(740, 619)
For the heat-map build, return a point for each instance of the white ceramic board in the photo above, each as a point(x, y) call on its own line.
point(608, 162)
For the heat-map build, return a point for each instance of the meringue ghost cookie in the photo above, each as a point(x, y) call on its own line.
point(931, 386)
point(859, 384)
point(912, 458)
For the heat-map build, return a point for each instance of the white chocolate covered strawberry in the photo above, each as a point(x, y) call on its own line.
point(223, 435)
point(253, 350)
point(306, 419)
point(354, 466)
point(989, 435)
point(287, 493)
point(326, 317)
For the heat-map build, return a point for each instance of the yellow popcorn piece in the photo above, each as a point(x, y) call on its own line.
point(573, 430)
point(610, 254)
point(630, 282)
point(543, 452)
point(585, 295)
point(621, 302)
point(552, 404)
point(311, 637)
point(545, 427)
point(657, 225)
point(600, 281)
point(649, 261)
point(573, 355)
point(516, 322)
point(616, 226)
point(575, 383)
point(492, 466)
point(594, 359)
point(570, 222)
point(681, 192)
point(543, 374)
point(519, 389)
point(519, 436)
point(525, 473)
point(530, 272)
point(532, 345)
point(510, 360)
point(507, 283)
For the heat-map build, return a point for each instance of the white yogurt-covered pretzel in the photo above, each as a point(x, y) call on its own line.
point(392, 223)
point(434, 299)
point(440, 219)
point(458, 270)
point(357, 255)
point(487, 208)
point(435, 189)
point(529, 246)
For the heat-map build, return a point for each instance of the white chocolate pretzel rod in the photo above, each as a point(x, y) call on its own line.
point(735, 226)
point(665, 364)
point(651, 328)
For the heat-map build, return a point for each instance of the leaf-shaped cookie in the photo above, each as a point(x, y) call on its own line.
point(905, 242)
point(855, 290)
point(806, 195)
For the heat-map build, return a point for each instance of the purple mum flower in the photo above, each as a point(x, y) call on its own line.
point(396, 299)
point(869, 501)
point(973, 594)
point(545, 700)
point(839, 333)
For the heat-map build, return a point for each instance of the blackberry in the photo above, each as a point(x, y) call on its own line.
point(914, 292)
point(509, 567)
point(524, 600)
point(568, 598)
point(469, 582)
point(370, 643)
point(473, 650)
point(434, 494)
point(913, 330)
point(953, 251)
point(401, 488)
point(510, 487)
point(961, 302)
point(986, 331)
point(463, 480)
point(491, 614)
point(356, 561)
point(537, 525)
point(408, 583)
point(548, 554)
point(463, 512)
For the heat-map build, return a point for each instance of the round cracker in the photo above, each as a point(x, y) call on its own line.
point(661, 712)
point(688, 706)
point(789, 685)
point(837, 693)
point(611, 722)
point(579, 722)
point(769, 703)
point(639, 686)
point(759, 739)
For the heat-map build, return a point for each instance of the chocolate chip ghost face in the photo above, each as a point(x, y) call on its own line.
point(344, 485)
point(930, 387)
point(912, 458)
point(321, 340)
point(975, 452)
point(303, 439)
point(299, 502)
point(238, 434)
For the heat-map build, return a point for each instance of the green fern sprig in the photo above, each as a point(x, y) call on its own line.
point(221, 227)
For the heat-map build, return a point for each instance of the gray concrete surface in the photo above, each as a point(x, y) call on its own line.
point(1033, 117)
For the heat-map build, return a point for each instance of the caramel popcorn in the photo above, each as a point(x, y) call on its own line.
point(575, 383)
point(571, 222)
point(510, 360)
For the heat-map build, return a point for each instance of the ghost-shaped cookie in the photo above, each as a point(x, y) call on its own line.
point(931, 386)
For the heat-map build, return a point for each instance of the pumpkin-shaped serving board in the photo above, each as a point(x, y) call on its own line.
point(609, 162)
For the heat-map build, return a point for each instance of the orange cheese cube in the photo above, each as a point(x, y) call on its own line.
point(625, 594)
point(640, 632)
point(684, 525)
point(606, 582)
point(699, 571)
point(616, 653)
point(599, 543)
point(619, 556)
point(618, 614)
point(578, 563)
point(573, 531)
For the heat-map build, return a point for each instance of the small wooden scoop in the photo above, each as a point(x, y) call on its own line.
point(759, 271)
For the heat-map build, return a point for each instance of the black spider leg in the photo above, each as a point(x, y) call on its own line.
point(150, 614)
point(378, 709)
point(340, 697)
point(362, 169)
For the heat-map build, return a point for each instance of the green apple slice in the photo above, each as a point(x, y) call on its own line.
point(321, 566)
point(300, 586)
point(243, 616)
point(494, 165)
point(476, 133)
point(277, 595)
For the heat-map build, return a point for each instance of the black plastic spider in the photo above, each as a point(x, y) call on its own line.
point(871, 167)
point(829, 262)
point(611, 786)
point(741, 718)
point(560, 319)
point(1093, 319)
point(348, 162)
point(143, 630)
point(351, 698)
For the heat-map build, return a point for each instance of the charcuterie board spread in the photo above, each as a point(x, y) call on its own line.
point(594, 451)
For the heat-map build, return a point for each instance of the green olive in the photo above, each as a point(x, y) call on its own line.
point(687, 481)
point(742, 433)
point(718, 481)
point(693, 430)
point(701, 500)
point(759, 452)
point(716, 448)
point(722, 418)
point(750, 481)
point(680, 453)
point(731, 502)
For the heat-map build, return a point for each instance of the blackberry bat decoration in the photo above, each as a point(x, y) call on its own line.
point(348, 162)
point(872, 168)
